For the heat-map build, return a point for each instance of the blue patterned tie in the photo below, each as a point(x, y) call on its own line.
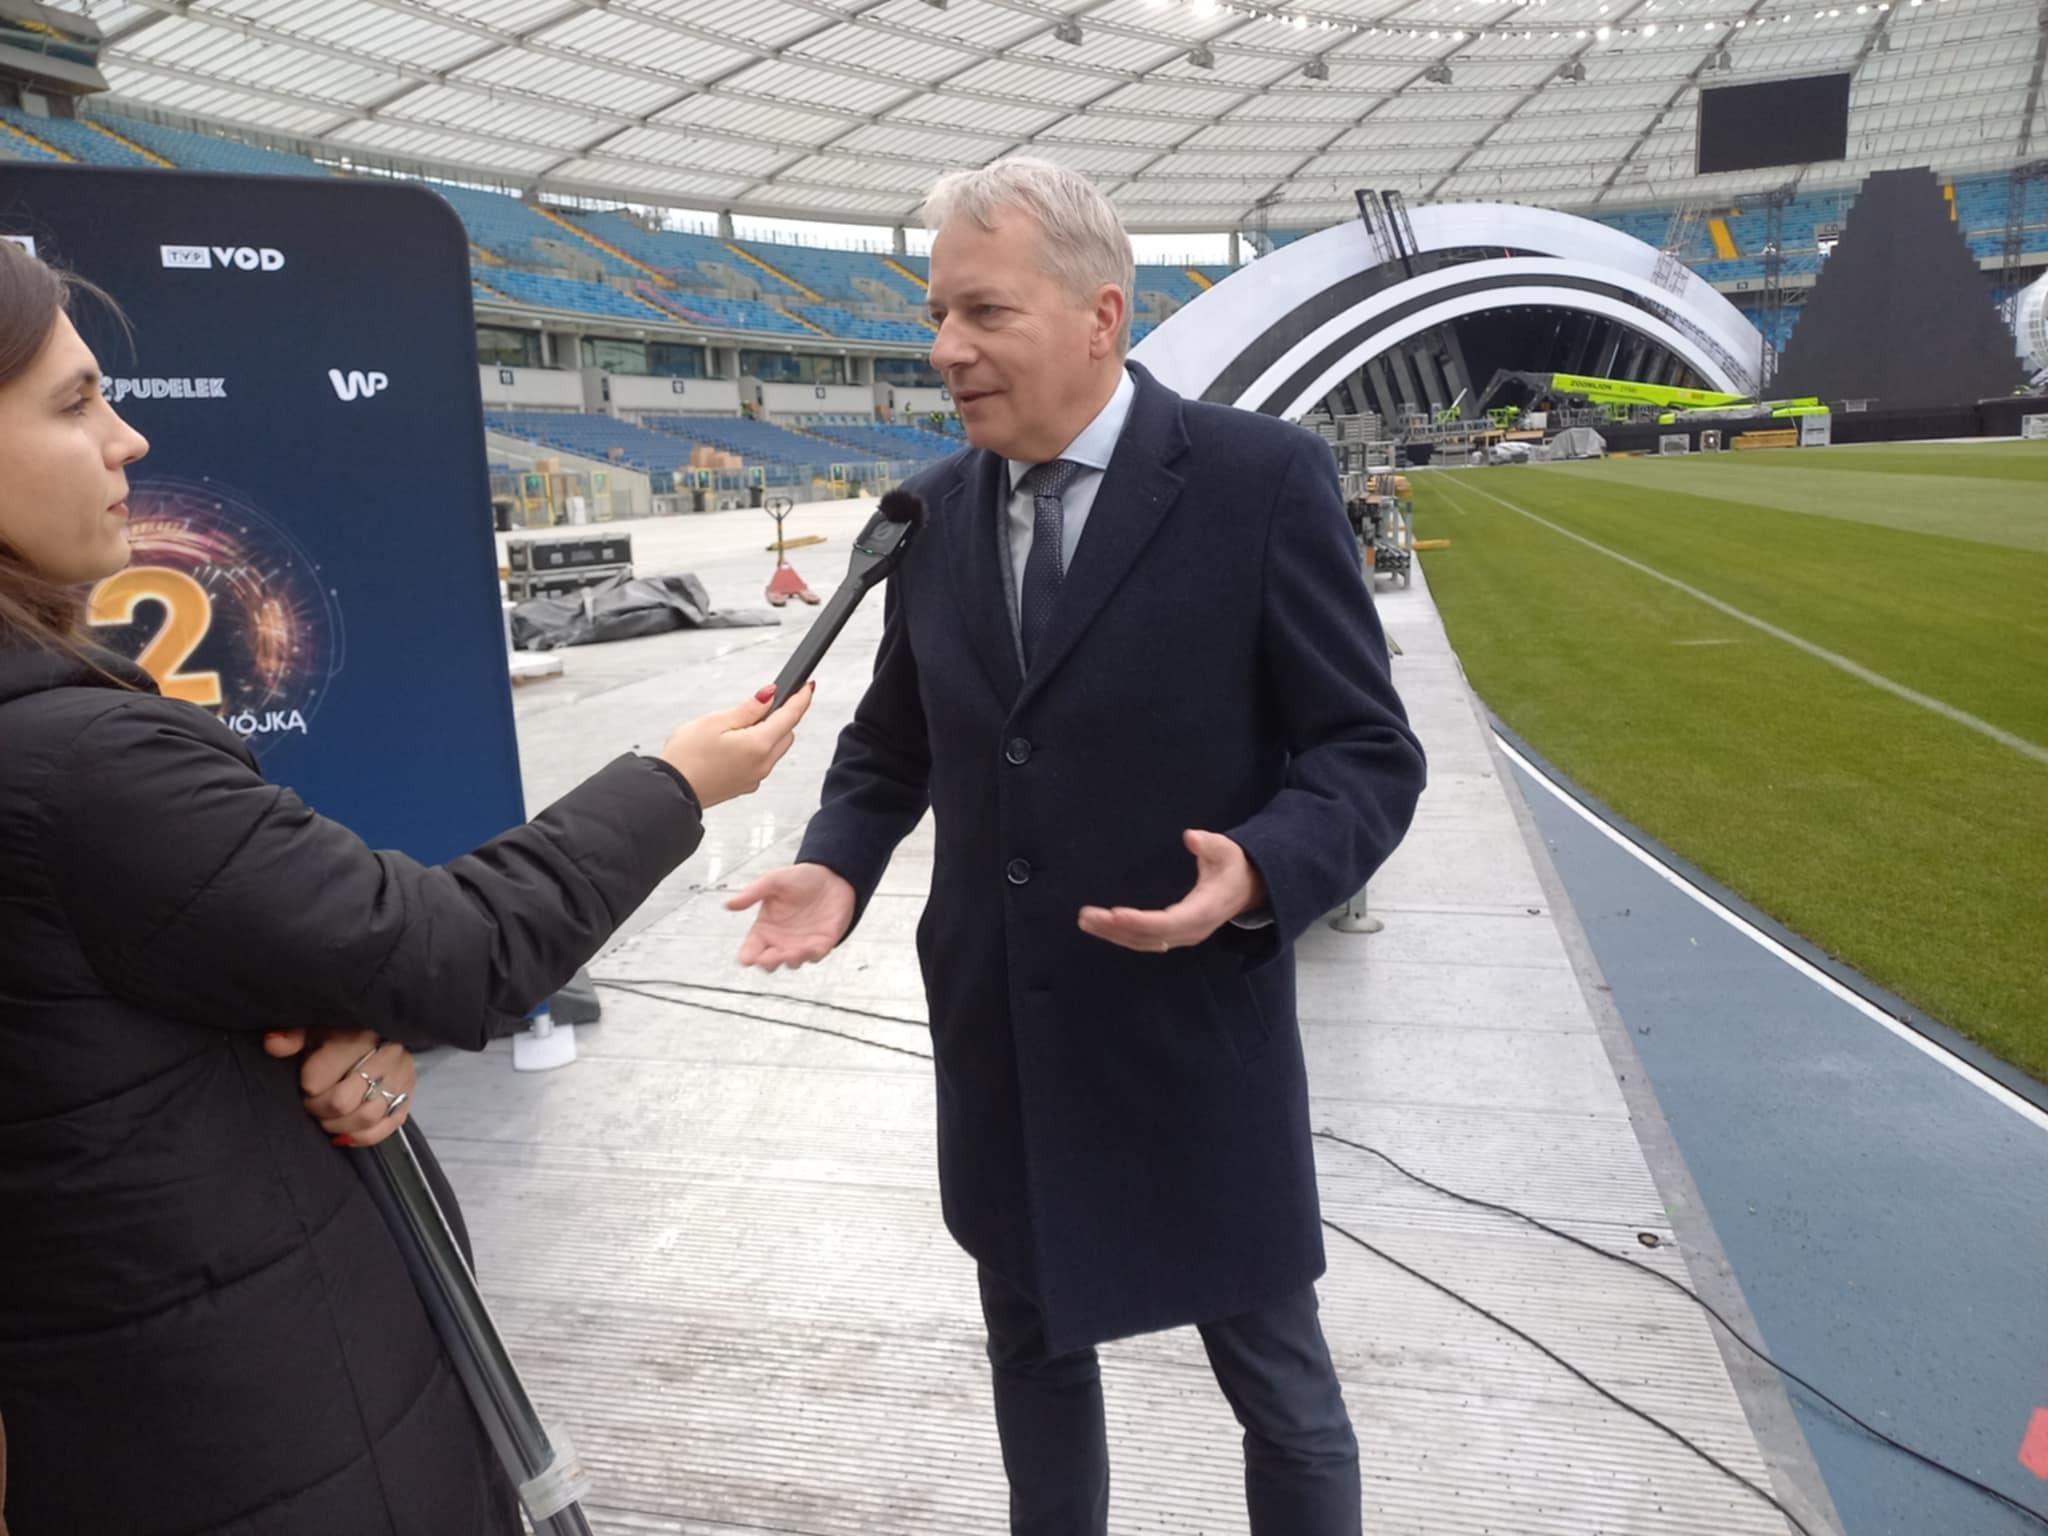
point(1044, 570)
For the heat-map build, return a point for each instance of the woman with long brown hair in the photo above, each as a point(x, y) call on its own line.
point(203, 1325)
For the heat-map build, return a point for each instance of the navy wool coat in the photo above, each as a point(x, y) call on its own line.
point(1125, 1137)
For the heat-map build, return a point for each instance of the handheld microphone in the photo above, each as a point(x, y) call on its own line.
point(876, 553)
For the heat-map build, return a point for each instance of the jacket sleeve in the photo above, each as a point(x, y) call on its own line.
point(879, 785)
point(200, 891)
point(1355, 768)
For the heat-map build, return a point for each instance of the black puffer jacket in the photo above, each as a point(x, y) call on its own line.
point(204, 1327)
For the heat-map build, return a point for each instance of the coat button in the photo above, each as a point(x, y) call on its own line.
point(1018, 872)
point(1018, 752)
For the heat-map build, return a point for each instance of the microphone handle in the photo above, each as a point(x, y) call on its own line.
point(838, 609)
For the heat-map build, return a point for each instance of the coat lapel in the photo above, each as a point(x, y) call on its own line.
point(1136, 494)
point(973, 524)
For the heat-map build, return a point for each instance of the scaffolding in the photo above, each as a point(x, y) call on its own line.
point(2012, 270)
point(1671, 272)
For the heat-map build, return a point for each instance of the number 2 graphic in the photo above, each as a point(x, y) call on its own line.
point(188, 615)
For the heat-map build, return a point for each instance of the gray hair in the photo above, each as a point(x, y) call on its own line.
point(1084, 238)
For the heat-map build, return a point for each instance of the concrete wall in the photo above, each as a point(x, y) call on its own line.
point(528, 389)
point(811, 399)
point(632, 395)
point(906, 404)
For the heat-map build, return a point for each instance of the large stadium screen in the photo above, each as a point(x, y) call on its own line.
point(1774, 122)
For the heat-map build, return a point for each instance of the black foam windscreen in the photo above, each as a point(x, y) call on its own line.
point(901, 506)
point(1773, 122)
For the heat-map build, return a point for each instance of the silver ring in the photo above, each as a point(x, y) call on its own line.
point(392, 1101)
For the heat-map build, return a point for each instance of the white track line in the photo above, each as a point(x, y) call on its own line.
point(1974, 1076)
point(1834, 659)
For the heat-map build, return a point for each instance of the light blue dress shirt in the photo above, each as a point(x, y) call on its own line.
point(1093, 447)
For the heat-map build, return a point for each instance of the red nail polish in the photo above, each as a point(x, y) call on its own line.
point(344, 1141)
point(765, 694)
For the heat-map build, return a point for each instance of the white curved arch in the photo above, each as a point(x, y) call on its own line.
point(2030, 323)
point(1190, 351)
point(1371, 342)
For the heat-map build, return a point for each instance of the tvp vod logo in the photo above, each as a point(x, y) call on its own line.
point(200, 258)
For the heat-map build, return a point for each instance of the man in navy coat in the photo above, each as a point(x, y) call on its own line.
point(1132, 668)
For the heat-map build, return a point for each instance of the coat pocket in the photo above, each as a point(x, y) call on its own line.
point(1237, 1005)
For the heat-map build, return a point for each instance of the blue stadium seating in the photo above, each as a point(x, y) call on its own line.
point(880, 440)
point(1174, 282)
point(758, 442)
point(548, 292)
point(1646, 225)
point(737, 314)
point(25, 149)
point(681, 255)
point(594, 437)
point(508, 228)
point(843, 322)
point(913, 291)
point(78, 140)
point(827, 273)
point(204, 152)
point(505, 226)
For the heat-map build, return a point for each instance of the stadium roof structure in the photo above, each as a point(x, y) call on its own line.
point(1194, 114)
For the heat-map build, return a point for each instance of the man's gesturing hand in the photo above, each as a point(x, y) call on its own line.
point(805, 911)
point(1227, 885)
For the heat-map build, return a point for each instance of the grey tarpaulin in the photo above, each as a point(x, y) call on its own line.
point(1577, 443)
point(621, 609)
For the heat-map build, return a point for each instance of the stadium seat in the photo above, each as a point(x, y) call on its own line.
point(205, 152)
point(594, 437)
point(78, 139)
point(547, 291)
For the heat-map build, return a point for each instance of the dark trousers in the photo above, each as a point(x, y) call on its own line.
point(1300, 1457)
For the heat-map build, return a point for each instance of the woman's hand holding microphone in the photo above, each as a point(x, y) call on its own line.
point(728, 754)
point(359, 1087)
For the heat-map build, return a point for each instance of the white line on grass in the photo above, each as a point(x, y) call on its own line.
point(1833, 658)
point(2028, 1111)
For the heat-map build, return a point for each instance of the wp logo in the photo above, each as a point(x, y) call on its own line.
point(357, 385)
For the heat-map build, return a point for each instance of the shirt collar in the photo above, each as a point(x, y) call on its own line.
point(1096, 441)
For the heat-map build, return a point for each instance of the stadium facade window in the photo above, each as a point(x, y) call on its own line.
point(792, 368)
point(614, 356)
point(677, 360)
point(909, 372)
point(502, 348)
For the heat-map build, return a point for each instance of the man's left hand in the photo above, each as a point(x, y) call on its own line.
point(1227, 885)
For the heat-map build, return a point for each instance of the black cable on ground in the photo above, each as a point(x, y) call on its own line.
point(1705, 1306)
point(1552, 1355)
point(639, 989)
point(758, 1018)
point(625, 982)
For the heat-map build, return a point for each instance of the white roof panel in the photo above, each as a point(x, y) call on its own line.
point(848, 108)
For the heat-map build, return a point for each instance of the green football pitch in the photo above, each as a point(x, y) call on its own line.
point(1819, 674)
